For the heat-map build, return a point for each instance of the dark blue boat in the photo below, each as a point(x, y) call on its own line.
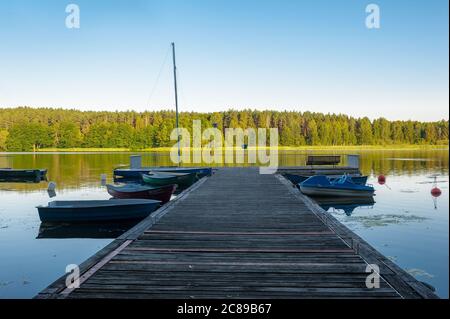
point(97, 210)
point(297, 179)
point(344, 187)
point(136, 173)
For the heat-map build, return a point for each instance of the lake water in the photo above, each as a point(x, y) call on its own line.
point(405, 223)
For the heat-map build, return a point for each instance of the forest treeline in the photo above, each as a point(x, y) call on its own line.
point(29, 129)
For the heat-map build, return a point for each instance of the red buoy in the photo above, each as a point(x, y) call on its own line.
point(436, 192)
point(381, 179)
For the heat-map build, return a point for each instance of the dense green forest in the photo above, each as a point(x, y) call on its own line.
point(28, 129)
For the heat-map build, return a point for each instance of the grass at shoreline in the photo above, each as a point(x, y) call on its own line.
point(281, 148)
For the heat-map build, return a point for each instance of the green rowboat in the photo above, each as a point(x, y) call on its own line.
point(160, 179)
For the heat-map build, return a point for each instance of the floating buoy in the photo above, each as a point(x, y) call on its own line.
point(436, 192)
point(51, 186)
point(381, 179)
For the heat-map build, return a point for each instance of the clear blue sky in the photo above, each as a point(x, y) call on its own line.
point(295, 55)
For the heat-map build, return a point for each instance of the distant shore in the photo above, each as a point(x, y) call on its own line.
point(281, 148)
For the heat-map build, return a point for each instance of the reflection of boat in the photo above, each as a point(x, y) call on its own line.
point(22, 175)
point(137, 172)
point(43, 173)
point(322, 186)
point(348, 205)
point(297, 179)
point(162, 193)
point(163, 178)
point(97, 210)
point(20, 180)
point(102, 230)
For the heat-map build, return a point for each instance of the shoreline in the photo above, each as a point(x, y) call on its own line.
point(281, 148)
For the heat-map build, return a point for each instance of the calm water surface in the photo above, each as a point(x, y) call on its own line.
point(405, 223)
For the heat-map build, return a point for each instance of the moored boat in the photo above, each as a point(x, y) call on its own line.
point(297, 179)
point(161, 193)
point(322, 186)
point(97, 210)
point(137, 172)
point(163, 178)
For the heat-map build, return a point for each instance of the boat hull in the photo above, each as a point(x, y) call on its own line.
point(297, 179)
point(148, 179)
point(163, 194)
point(160, 179)
point(186, 180)
point(117, 210)
point(316, 191)
point(136, 173)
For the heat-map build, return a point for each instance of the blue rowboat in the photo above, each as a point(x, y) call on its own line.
point(297, 179)
point(322, 186)
point(97, 210)
point(136, 173)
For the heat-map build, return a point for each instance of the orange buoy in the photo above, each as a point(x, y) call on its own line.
point(381, 179)
point(436, 192)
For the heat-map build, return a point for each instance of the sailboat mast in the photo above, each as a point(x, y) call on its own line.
point(176, 97)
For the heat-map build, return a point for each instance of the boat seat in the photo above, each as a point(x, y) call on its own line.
point(323, 160)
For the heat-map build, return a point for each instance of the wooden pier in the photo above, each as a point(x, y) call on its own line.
point(239, 234)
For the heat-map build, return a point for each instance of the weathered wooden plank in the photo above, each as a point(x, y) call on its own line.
point(59, 285)
point(123, 283)
point(239, 287)
point(153, 231)
point(236, 292)
point(242, 250)
point(133, 255)
point(252, 268)
point(139, 276)
point(136, 231)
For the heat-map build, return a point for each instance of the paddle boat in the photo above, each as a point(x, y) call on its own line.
point(344, 187)
point(137, 172)
point(163, 178)
point(161, 193)
point(297, 179)
point(97, 210)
